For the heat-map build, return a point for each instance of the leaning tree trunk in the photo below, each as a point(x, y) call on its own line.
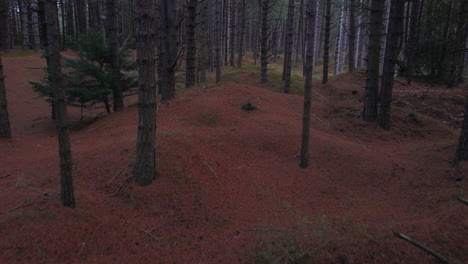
point(264, 41)
point(168, 49)
point(56, 83)
point(462, 149)
point(114, 48)
point(392, 50)
point(308, 84)
point(146, 40)
point(5, 131)
point(369, 112)
point(288, 47)
point(242, 19)
point(352, 36)
point(190, 73)
point(326, 51)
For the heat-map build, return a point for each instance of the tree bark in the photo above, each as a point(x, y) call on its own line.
point(5, 131)
point(369, 112)
point(217, 39)
point(56, 83)
point(352, 36)
point(190, 28)
point(242, 19)
point(326, 51)
point(168, 49)
point(413, 39)
point(339, 42)
point(462, 149)
point(264, 40)
point(146, 39)
point(5, 39)
point(300, 34)
point(114, 48)
point(392, 50)
point(288, 47)
point(308, 84)
point(24, 24)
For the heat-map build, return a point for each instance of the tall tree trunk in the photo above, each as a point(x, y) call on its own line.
point(5, 131)
point(217, 39)
point(317, 30)
point(352, 36)
point(80, 17)
point(373, 61)
point(392, 50)
point(300, 34)
point(264, 41)
point(413, 39)
point(339, 42)
point(462, 149)
point(35, 27)
point(190, 75)
point(203, 35)
point(308, 84)
point(168, 49)
point(146, 39)
point(114, 48)
point(56, 83)
point(24, 23)
point(326, 51)
point(242, 19)
point(5, 40)
point(232, 38)
point(288, 47)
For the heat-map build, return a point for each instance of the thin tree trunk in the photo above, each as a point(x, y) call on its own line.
point(373, 61)
point(413, 39)
point(191, 52)
point(339, 42)
point(232, 38)
point(168, 49)
point(300, 34)
point(308, 84)
point(5, 25)
point(217, 39)
point(146, 39)
point(114, 48)
point(24, 23)
point(5, 131)
point(56, 83)
point(462, 149)
point(326, 51)
point(264, 41)
point(392, 50)
point(352, 36)
point(288, 47)
point(242, 19)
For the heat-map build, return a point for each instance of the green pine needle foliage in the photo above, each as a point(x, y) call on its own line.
point(87, 79)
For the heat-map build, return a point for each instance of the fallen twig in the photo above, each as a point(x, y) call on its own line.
point(214, 173)
point(115, 176)
point(148, 233)
point(39, 191)
point(463, 201)
point(6, 176)
point(19, 207)
point(439, 257)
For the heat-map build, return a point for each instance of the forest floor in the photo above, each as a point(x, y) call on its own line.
point(229, 188)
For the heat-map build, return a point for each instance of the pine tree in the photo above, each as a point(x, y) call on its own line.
point(308, 84)
point(146, 38)
point(56, 82)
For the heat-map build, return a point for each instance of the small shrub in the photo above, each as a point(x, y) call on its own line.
point(248, 106)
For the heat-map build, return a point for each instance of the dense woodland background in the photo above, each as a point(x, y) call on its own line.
point(158, 48)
